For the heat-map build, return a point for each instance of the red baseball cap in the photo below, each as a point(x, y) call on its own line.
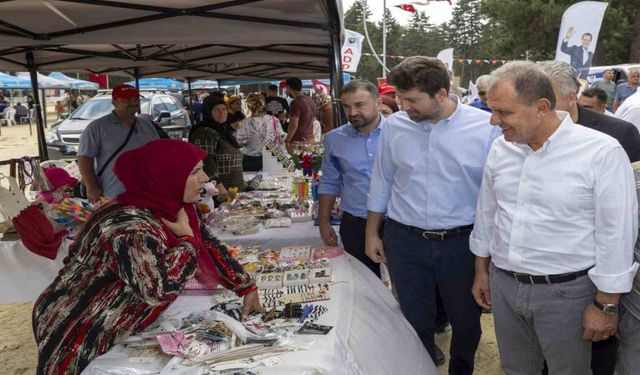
point(385, 89)
point(125, 92)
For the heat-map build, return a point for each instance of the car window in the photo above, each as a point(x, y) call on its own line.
point(158, 107)
point(171, 103)
point(93, 109)
point(144, 105)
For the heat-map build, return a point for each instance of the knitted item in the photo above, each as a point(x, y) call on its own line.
point(36, 232)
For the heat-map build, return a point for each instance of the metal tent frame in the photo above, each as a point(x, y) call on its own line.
point(190, 39)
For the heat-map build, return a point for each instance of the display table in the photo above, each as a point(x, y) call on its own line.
point(370, 334)
point(297, 234)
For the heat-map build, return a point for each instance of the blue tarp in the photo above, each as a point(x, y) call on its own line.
point(157, 83)
point(76, 84)
point(11, 82)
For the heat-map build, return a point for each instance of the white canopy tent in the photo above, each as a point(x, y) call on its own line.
point(45, 82)
point(190, 39)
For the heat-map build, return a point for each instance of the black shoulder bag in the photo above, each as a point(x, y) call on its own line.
point(82, 193)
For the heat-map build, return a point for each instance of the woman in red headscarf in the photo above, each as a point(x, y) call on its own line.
point(132, 258)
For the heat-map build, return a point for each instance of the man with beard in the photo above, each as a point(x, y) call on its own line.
point(105, 138)
point(426, 177)
point(346, 168)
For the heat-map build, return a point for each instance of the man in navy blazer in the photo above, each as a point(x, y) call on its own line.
point(581, 57)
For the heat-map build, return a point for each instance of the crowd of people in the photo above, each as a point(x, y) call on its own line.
point(522, 203)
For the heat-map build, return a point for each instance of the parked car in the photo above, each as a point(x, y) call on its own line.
point(64, 136)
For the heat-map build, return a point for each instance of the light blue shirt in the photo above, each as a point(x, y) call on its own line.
point(428, 175)
point(346, 166)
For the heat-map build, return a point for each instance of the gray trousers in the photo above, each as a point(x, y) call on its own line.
point(541, 322)
point(629, 344)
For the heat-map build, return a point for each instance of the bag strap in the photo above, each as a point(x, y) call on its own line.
point(275, 130)
point(116, 152)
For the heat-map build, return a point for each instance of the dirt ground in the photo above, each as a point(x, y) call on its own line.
point(17, 346)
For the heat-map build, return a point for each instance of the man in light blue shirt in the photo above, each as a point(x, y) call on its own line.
point(349, 154)
point(426, 178)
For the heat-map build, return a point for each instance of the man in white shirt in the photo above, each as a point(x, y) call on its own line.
point(556, 224)
point(630, 110)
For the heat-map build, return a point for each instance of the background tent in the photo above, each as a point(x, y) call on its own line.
point(157, 83)
point(11, 82)
point(45, 82)
point(77, 84)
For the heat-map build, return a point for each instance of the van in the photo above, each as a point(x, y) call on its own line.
point(620, 72)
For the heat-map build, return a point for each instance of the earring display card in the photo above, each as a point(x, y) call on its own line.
point(300, 253)
point(294, 294)
point(270, 280)
point(297, 277)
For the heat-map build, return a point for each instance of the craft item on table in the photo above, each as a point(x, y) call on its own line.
point(327, 252)
point(311, 313)
point(292, 311)
point(306, 163)
point(300, 216)
point(301, 188)
point(69, 211)
point(295, 253)
point(241, 225)
point(314, 329)
point(316, 163)
point(315, 183)
point(282, 222)
point(174, 343)
point(271, 315)
point(320, 272)
point(233, 309)
point(269, 280)
point(295, 276)
point(206, 203)
point(254, 184)
point(294, 294)
point(231, 194)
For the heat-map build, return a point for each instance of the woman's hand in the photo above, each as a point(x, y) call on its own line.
point(250, 303)
point(222, 193)
point(181, 226)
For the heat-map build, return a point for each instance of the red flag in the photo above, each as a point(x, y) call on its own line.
point(407, 7)
point(101, 79)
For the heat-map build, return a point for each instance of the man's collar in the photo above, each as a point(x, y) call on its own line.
point(354, 132)
point(586, 118)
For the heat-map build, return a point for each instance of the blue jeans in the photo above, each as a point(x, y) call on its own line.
point(417, 266)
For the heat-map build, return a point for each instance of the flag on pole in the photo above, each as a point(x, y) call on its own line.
point(407, 7)
point(351, 51)
point(579, 34)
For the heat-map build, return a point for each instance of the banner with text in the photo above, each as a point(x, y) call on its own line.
point(351, 51)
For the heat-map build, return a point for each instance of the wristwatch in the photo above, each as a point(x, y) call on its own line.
point(609, 309)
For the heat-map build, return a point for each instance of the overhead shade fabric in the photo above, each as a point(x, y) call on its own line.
point(75, 83)
point(45, 82)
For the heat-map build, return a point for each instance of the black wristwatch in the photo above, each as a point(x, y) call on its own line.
point(608, 309)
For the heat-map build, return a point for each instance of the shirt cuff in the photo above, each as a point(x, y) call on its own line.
point(377, 204)
point(620, 283)
point(478, 248)
point(328, 189)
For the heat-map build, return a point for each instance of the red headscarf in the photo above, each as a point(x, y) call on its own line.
point(154, 177)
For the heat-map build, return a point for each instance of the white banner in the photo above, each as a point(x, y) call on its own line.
point(579, 35)
point(351, 51)
point(446, 56)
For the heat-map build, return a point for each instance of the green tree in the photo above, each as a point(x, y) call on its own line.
point(529, 28)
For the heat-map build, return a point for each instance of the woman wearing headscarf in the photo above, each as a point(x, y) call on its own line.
point(255, 130)
point(132, 258)
point(216, 136)
point(234, 107)
point(388, 107)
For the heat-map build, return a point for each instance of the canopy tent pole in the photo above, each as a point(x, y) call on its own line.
point(136, 77)
point(44, 108)
point(42, 144)
point(335, 63)
point(191, 113)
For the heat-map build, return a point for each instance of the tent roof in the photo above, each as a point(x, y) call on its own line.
point(74, 82)
point(219, 39)
point(45, 82)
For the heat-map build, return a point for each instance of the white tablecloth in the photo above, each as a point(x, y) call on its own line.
point(370, 334)
point(304, 233)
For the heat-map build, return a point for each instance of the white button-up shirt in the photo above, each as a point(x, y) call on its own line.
point(569, 206)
